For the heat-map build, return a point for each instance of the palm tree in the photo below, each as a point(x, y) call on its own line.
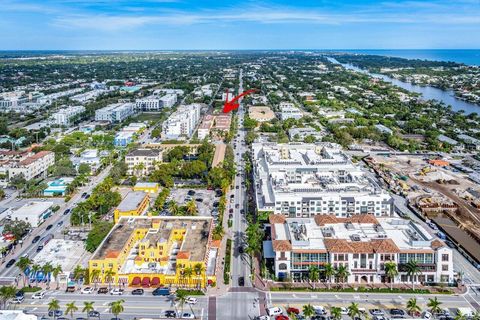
point(342, 274)
point(173, 207)
point(23, 263)
point(7, 293)
point(78, 273)
point(476, 316)
point(191, 208)
point(87, 307)
point(109, 274)
point(391, 272)
point(460, 316)
point(412, 306)
point(187, 274)
point(329, 273)
point(94, 277)
point(181, 297)
point(353, 310)
point(199, 269)
point(71, 308)
point(47, 269)
point(434, 305)
point(116, 307)
point(336, 313)
point(308, 310)
point(218, 232)
point(313, 274)
point(53, 306)
point(413, 270)
point(56, 271)
point(33, 270)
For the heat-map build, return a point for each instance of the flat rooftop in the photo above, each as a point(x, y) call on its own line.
point(33, 208)
point(261, 112)
point(132, 201)
point(66, 253)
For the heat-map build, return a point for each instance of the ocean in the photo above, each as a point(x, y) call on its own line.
point(465, 56)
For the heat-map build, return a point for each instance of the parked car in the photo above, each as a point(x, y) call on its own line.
point(161, 292)
point(274, 311)
point(293, 310)
point(102, 290)
point(376, 312)
point(87, 290)
point(191, 300)
point(70, 289)
point(56, 313)
point(281, 317)
point(241, 281)
point(427, 315)
point(116, 292)
point(137, 292)
point(94, 314)
point(320, 310)
point(344, 310)
point(38, 295)
point(191, 192)
point(170, 314)
point(10, 263)
point(240, 249)
point(187, 315)
point(397, 313)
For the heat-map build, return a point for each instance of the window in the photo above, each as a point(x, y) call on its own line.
point(444, 267)
point(445, 257)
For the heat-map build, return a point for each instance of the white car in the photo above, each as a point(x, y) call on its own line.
point(274, 311)
point(87, 290)
point(38, 295)
point(427, 315)
point(187, 315)
point(320, 310)
point(191, 300)
point(344, 310)
point(116, 292)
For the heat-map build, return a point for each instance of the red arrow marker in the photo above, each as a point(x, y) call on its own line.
point(232, 104)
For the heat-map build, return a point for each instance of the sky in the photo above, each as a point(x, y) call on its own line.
point(208, 24)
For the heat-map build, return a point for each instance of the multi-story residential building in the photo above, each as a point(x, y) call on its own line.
point(470, 142)
point(168, 100)
point(182, 122)
point(64, 116)
point(141, 162)
point(34, 166)
point(361, 243)
point(135, 203)
point(289, 111)
point(153, 251)
point(299, 134)
point(115, 112)
point(214, 123)
point(303, 180)
point(151, 103)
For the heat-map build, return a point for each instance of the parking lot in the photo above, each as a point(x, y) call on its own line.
point(204, 199)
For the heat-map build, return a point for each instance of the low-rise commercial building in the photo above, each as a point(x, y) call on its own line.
point(299, 134)
point(149, 187)
point(214, 124)
point(361, 243)
point(141, 162)
point(34, 212)
point(135, 203)
point(115, 112)
point(303, 180)
point(470, 142)
point(154, 251)
point(57, 187)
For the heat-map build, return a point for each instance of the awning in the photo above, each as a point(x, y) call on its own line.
point(136, 281)
point(268, 252)
point(155, 281)
point(146, 282)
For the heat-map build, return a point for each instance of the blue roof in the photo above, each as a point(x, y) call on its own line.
point(268, 252)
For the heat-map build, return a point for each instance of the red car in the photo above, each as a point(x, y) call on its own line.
point(293, 310)
point(282, 317)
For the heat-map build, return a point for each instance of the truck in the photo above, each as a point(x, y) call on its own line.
point(161, 292)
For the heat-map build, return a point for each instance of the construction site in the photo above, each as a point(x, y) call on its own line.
point(437, 191)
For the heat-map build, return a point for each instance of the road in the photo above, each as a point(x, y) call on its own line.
point(54, 219)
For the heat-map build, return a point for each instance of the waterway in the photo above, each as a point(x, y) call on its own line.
point(426, 92)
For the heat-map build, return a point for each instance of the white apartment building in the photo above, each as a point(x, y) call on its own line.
point(361, 243)
point(115, 112)
point(168, 100)
point(304, 180)
point(33, 166)
point(289, 111)
point(182, 122)
point(64, 116)
point(142, 161)
point(151, 103)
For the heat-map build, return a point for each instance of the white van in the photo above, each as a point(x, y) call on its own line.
point(274, 311)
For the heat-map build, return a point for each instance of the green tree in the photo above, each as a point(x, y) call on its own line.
point(191, 208)
point(23, 263)
point(434, 305)
point(47, 269)
point(336, 313)
point(116, 307)
point(88, 307)
point(413, 270)
point(53, 306)
point(313, 274)
point(391, 272)
point(16, 227)
point(84, 169)
point(57, 270)
point(173, 207)
point(353, 310)
point(329, 273)
point(308, 311)
point(71, 308)
point(181, 298)
point(97, 234)
point(342, 274)
point(109, 277)
point(7, 293)
point(412, 306)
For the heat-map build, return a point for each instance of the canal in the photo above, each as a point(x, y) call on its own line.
point(426, 92)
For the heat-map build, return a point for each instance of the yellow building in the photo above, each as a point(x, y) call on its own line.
point(153, 251)
point(149, 187)
point(135, 203)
